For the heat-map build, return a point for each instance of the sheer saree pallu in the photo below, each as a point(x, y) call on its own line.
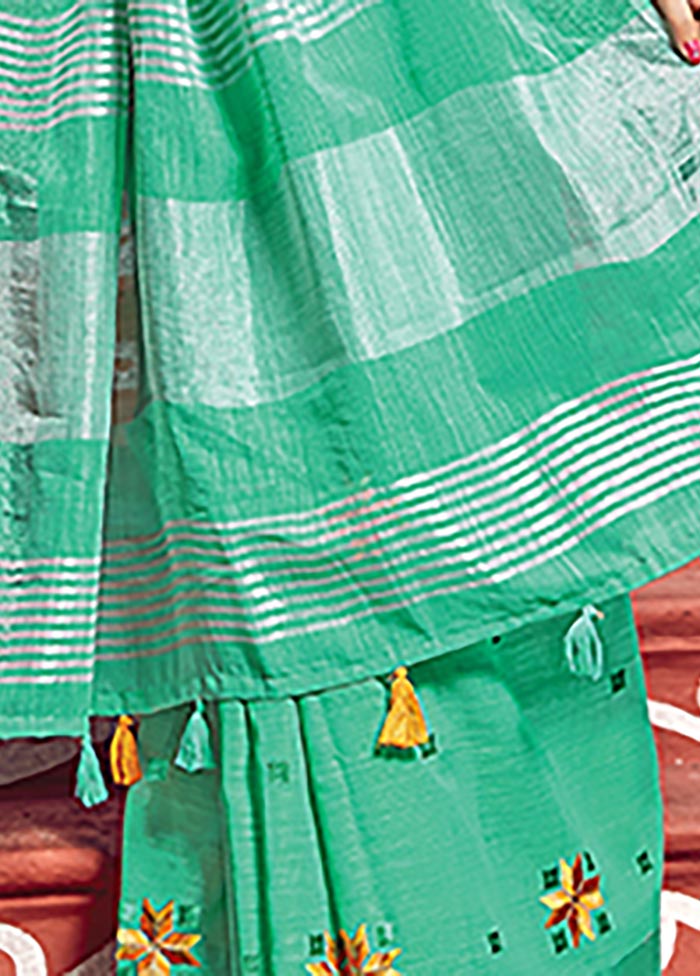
point(419, 349)
point(419, 368)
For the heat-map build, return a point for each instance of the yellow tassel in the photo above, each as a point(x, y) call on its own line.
point(405, 726)
point(124, 754)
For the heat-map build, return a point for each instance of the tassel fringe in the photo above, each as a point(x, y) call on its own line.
point(90, 786)
point(583, 646)
point(195, 753)
point(405, 729)
point(124, 754)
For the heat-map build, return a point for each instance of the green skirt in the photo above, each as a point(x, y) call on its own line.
point(524, 837)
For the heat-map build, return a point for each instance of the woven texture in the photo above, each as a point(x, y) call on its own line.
point(418, 337)
point(447, 857)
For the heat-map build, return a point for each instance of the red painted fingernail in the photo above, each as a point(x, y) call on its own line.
point(692, 51)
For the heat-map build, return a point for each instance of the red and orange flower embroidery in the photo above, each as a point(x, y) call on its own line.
point(574, 902)
point(156, 945)
point(352, 956)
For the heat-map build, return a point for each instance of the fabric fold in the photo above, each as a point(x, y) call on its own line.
point(328, 851)
point(416, 358)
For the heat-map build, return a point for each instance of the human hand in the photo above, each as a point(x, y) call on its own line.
point(680, 16)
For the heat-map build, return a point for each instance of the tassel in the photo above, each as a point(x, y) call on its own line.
point(404, 728)
point(124, 754)
point(90, 786)
point(584, 649)
point(195, 752)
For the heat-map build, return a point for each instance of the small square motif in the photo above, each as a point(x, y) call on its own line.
point(644, 863)
point(278, 772)
point(559, 942)
point(384, 934)
point(429, 748)
point(589, 862)
point(603, 922)
point(495, 943)
point(316, 945)
point(188, 916)
point(550, 878)
point(618, 681)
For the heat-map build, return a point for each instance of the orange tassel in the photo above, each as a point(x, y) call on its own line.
point(124, 754)
point(405, 726)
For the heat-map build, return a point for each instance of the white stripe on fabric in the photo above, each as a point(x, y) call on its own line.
point(510, 456)
point(614, 487)
point(211, 60)
point(77, 11)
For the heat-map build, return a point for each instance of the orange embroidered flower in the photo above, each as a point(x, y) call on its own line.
point(156, 945)
point(352, 956)
point(574, 902)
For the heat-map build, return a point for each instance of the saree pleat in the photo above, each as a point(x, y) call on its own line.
point(418, 338)
point(417, 366)
point(447, 858)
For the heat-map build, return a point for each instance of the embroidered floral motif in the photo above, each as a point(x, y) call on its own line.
point(575, 900)
point(156, 945)
point(352, 956)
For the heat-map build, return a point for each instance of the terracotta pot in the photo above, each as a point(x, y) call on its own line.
point(58, 868)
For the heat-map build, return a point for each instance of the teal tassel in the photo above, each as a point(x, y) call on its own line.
point(90, 786)
point(195, 752)
point(584, 649)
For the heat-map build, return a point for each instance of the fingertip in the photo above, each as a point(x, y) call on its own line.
point(690, 50)
point(683, 28)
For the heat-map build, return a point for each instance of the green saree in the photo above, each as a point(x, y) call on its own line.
point(301, 830)
point(419, 367)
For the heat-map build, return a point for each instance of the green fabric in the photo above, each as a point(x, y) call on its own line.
point(419, 352)
point(304, 829)
point(419, 342)
point(90, 787)
point(419, 360)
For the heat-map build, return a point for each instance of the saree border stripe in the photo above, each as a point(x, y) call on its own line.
point(574, 415)
point(63, 68)
point(169, 40)
point(365, 558)
point(47, 632)
point(78, 8)
point(94, 111)
point(47, 679)
point(175, 52)
point(348, 579)
point(48, 563)
point(203, 46)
